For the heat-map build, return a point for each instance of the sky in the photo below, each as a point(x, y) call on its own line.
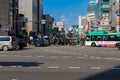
point(66, 10)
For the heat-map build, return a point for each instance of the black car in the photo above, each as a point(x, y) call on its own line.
point(118, 45)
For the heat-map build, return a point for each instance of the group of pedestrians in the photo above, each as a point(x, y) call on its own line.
point(62, 41)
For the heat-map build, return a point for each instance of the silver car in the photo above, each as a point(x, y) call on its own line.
point(7, 43)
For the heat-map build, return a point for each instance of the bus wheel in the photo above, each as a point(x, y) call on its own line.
point(93, 44)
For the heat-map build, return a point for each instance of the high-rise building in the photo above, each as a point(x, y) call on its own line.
point(115, 15)
point(47, 23)
point(102, 14)
point(91, 14)
point(82, 22)
point(91, 11)
point(4, 4)
point(8, 16)
point(33, 11)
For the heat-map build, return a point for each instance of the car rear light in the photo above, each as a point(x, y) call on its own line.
point(12, 42)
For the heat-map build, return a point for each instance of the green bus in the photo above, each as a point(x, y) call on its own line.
point(102, 38)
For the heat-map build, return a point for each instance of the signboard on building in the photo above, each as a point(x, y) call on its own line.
point(59, 23)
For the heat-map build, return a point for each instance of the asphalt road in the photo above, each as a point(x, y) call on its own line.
point(60, 63)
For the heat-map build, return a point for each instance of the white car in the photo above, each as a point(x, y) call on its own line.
point(7, 43)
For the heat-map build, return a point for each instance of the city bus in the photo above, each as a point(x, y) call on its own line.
point(102, 39)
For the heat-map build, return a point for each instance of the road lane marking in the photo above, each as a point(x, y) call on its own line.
point(53, 67)
point(117, 59)
point(109, 58)
point(17, 55)
point(74, 67)
point(93, 57)
point(66, 56)
point(14, 79)
point(81, 57)
point(28, 56)
point(3, 55)
point(53, 56)
point(40, 56)
point(13, 66)
point(85, 55)
point(95, 68)
point(19, 66)
point(35, 67)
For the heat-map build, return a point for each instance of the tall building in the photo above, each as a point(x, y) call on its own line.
point(112, 14)
point(4, 4)
point(91, 13)
point(25, 8)
point(102, 14)
point(115, 15)
point(33, 11)
point(82, 22)
point(47, 23)
point(8, 16)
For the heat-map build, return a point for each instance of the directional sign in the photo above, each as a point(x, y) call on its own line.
point(52, 30)
point(75, 26)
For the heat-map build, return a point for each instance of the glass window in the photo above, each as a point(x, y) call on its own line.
point(4, 38)
point(88, 38)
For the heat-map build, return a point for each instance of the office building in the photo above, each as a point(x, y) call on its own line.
point(102, 14)
point(8, 17)
point(33, 11)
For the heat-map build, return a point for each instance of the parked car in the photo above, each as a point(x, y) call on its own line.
point(42, 42)
point(7, 43)
point(118, 45)
point(21, 43)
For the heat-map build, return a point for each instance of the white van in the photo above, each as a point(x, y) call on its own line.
point(7, 43)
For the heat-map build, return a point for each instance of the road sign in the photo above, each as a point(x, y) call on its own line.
point(52, 30)
point(75, 26)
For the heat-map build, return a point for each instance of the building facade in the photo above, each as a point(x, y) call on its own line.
point(4, 18)
point(102, 14)
point(8, 17)
point(82, 22)
point(117, 15)
point(47, 23)
point(91, 11)
point(33, 11)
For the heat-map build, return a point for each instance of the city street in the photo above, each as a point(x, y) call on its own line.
point(60, 63)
